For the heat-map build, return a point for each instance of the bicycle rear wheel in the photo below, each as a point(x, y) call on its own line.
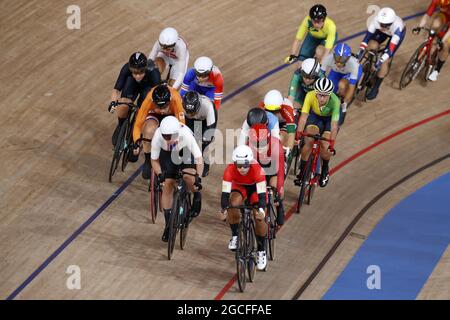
point(271, 230)
point(241, 258)
point(414, 66)
point(251, 251)
point(173, 224)
point(118, 150)
point(305, 182)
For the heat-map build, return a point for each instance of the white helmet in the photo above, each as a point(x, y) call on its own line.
point(242, 154)
point(310, 67)
point(386, 16)
point(170, 125)
point(203, 65)
point(168, 37)
point(273, 100)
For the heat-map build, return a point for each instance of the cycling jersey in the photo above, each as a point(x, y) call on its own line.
point(332, 108)
point(285, 116)
point(178, 59)
point(272, 161)
point(185, 140)
point(273, 126)
point(212, 88)
point(149, 110)
point(351, 67)
point(234, 181)
point(328, 31)
point(445, 10)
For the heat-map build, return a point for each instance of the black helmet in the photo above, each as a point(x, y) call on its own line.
point(191, 102)
point(256, 115)
point(138, 60)
point(161, 95)
point(318, 12)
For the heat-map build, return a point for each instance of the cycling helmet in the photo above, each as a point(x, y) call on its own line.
point(324, 86)
point(256, 115)
point(191, 102)
point(386, 17)
point(318, 12)
point(161, 95)
point(342, 52)
point(168, 37)
point(273, 100)
point(310, 68)
point(138, 61)
point(203, 66)
point(242, 155)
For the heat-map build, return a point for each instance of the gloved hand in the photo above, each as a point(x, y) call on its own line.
point(136, 148)
point(361, 53)
point(344, 107)
point(383, 58)
point(290, 59)
point(331, 146)
point(161, 178)
point(287, 152)
point(222, 215)
point(299, 134)
point(416, 30)
point(260, 214)
point(112, 106)
point(198, 182)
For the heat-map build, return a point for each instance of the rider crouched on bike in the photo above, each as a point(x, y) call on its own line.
point(268, 151)
point(161, 101)
point(282, 108)
point(245, 179)
point(441, 21)
point(136, 78)
point(255, 116)
point(345, 72)
point(320, 115)
point(386, 25)
point(174, 148)
point(201, 118)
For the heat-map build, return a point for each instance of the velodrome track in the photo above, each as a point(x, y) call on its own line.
point(56, 152)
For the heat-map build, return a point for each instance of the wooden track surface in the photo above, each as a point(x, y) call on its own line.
point(56, 149)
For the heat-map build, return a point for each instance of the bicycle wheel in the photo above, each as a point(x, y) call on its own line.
point(185, 223)
point(310, 192)
point(251, 251)
point(241, 258)
point(297, 157)
point(271, 230)
point(153, 197)
point(305, 181)
point(118, 149)
point(414, 66)
point(288, 163)
point(127, 144)
point(173, 224)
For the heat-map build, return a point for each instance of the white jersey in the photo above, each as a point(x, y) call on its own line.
point(351, 67)
point(185, 140)
point(394, 31)
point(206, 111)
point(178, 59)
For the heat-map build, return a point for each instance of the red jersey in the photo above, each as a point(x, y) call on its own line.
point(436, 4)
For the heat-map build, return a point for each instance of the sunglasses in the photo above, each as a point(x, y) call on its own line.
point(342, 60)
point(320, 95)
point(169, 137)
point(385, 25)
point(241, 165)
point(202, 75)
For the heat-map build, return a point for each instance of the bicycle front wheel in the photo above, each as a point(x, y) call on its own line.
point(185, 224)
point(251, 251)
point(118, 150)
point(305, 182)
point(241, 258)
point(153, 197)
point(271, 229)
point(173, 224)
point(414, 66)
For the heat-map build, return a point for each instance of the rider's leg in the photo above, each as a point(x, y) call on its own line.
point(325, 156)
point(166, 202)
point(197, 198)
point(306, 150)
point(233, 218)
point(148, 130)
point(442, 56)
point(161, 64)
point(280, 208)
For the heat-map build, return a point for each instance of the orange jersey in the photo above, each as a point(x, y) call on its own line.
point(148, 108)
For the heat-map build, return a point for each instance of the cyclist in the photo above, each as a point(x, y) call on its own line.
point(320, 38)
point(267, 150)
point(440, 21)
point(136, 78)
point(320, 115)
point(302, 82)
point(345, 72)
point(282, 108)
point(386, 25)
point(174, 148)
point(245, 179)
point(200, 110)
point(258, 115)
point(171, 50)
point(161, 101)
point(206, 79)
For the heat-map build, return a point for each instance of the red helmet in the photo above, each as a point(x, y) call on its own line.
point(259, 136)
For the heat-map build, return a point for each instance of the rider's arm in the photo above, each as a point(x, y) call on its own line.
point(261, 187)
point(177, 106)
point(218, 91)
point(305, 111)
point(189, 77)
point(280, 171)
point(226, 188)
point(294, 85)
point(288, 114)
point(120, 82)
point(335, 116)
point(154, 74)
point(370, 32)
point(183, 63)
point(140, 118)
point(301, 33)
point(156, 48)
point(331, 36)
point(426, 17)
point(155, 151)
point(194, 149)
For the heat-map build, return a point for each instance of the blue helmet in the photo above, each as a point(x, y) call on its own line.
point(342, 52)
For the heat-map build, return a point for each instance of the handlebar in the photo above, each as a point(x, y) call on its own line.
point(316, 137)
point(244, 206)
